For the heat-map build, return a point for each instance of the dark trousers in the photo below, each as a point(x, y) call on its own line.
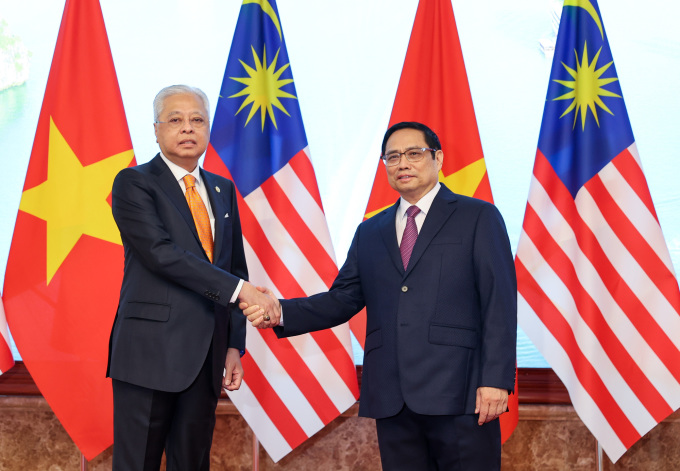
point(410, 441)
point(146, 422)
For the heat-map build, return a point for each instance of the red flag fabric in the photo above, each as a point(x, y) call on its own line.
point(6, 358)
point(65, 263)
point(433, 89)
point(292, 387)
point(597, 293)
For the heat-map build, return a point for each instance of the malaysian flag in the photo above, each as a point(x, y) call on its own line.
point(597, 291)
point(6, 357)
point(292, 387)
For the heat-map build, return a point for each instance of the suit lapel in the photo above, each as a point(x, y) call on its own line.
point(388, 231)
point(170, 186)
point(443, 206)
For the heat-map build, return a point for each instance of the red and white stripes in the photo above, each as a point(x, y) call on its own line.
point(6, 358)
point(293, 387)
point(599, 298)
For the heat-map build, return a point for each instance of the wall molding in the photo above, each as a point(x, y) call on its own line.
point(536, 385)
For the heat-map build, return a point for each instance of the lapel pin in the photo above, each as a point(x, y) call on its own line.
point(217, 189)
point(226, 215)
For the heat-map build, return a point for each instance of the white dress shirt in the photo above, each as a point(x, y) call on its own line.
point(179, 173)
point(423, 204)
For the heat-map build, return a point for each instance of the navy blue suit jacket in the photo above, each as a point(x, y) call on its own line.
point(173, 301)
point(436, 331)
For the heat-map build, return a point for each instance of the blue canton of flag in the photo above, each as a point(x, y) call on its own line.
point(257, 126)
point(585, 123)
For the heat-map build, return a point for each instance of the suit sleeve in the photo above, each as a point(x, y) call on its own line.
point(144, 232)
point(237, 331)
point(325, 310)
point(497, 286)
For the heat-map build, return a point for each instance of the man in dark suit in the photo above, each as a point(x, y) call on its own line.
point(439, 287)
point(178, 334)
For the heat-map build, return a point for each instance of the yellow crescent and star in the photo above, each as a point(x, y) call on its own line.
point(263, 84)
point(587, 84)
point(73, 201)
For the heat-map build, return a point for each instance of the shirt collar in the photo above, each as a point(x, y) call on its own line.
point(179, 172)
point(423, 203)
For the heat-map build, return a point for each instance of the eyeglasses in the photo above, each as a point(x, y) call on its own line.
point(412, 155)
point(176, 122)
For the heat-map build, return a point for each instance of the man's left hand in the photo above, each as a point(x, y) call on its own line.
point(233, 374)
point(491, 403)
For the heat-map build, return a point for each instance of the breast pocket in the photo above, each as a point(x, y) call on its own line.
point(445, 240)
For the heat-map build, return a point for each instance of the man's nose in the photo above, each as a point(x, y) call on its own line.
point(186, 126)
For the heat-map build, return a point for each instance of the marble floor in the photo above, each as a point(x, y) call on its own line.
point(548, 437)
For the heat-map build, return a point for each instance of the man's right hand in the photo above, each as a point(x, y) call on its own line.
point(260, 306)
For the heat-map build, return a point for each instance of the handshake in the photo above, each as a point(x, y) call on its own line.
point(260, 306)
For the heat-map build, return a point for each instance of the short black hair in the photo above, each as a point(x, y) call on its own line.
point(431, 138)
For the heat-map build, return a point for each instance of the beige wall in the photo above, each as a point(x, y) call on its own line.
point(547, 438)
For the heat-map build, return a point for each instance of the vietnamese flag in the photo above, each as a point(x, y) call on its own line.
point(65, 264)
point(433, 89)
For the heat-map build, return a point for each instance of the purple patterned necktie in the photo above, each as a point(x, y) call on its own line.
point(408, 240)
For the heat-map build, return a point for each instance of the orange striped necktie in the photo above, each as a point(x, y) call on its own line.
point(200, 215)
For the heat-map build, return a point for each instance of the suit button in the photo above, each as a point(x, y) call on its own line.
point(404, 289)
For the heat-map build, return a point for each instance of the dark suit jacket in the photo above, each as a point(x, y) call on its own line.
point(437, 331)
point(173, 301)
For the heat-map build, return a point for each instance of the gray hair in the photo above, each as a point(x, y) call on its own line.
point(177, 90)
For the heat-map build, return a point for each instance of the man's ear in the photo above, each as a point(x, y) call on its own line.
point(439, 157)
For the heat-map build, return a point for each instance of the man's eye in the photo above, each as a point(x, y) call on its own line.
point(197, 120)
point(174, 120)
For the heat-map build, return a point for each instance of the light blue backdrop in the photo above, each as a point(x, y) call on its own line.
point(346, 59)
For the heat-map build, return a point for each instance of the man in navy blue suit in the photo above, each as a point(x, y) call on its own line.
point(178, 335)
point(436, 275)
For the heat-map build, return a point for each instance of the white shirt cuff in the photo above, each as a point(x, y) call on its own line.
point(237, 291)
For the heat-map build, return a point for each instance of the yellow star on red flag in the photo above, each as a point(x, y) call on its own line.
point(466, 180)
point(73, 199)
